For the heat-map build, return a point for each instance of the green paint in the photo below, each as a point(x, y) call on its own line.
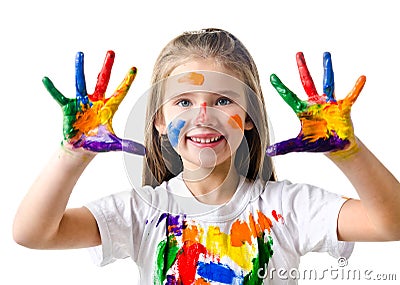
point(166, 255)
point(69, 107)
point(290, 98)
point(261, 261)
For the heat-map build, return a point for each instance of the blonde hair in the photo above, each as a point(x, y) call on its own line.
point(162, 162)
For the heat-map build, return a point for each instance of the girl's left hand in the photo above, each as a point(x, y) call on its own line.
point(325, 123)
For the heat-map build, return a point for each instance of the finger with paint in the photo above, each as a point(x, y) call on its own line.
point(88, 118)
point(325, 123)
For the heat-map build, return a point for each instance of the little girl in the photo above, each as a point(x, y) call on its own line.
point(210, 210)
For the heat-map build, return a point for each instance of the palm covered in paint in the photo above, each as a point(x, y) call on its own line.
point(325, 123)
point(88, 118)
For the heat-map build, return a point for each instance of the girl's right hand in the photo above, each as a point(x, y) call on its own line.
point(87, 120)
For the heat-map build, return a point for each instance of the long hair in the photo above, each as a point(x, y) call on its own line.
point(162, 162)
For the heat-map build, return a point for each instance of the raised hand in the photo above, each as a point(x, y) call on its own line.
point(88, 118)
point(325, 123)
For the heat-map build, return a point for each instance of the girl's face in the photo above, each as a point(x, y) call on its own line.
point(204, 127)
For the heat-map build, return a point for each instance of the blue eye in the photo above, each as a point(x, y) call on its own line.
point(184, 103)
point(223, 101)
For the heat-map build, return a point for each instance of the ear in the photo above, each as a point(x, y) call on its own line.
point(248, 124)
point(159, 123)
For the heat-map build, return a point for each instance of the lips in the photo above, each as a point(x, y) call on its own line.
point(205, 140)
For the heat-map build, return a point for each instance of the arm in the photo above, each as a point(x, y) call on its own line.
point(376, 216)
point(42, 220)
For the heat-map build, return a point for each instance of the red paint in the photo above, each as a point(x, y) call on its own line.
point(103, 78)
point(277, 217)
point(187, 260)
point(307, 80)
point(202, 117)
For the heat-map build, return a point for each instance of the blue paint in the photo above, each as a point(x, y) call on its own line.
point(80, 84)
point(216, 272)
point(329, 81)
point(174, 129)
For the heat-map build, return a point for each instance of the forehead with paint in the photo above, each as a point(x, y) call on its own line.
point(205, 82)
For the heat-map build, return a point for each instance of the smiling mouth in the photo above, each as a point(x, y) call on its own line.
point(205, 140)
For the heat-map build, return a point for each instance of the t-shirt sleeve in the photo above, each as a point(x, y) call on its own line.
point(312, 213)
point(120, 218)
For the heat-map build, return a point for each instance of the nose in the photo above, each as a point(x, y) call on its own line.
point(202, 116)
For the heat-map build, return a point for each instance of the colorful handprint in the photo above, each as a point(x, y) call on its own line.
point(88, 118)
point(325, 123)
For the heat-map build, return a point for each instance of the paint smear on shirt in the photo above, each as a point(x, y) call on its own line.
point(278, 217)
point(191, 254)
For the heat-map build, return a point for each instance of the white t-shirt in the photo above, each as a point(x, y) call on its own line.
point(175, 239)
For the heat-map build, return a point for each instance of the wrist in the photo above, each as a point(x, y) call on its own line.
point(79, 155)
point(347, 153)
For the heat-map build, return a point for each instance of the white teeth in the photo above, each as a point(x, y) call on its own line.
point(205, 140)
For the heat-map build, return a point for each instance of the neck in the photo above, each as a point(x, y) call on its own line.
point(213, 186)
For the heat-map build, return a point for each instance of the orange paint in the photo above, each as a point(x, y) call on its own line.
point(253, 226)
point(264, 222)
point(201, 281)
point(87, 120)
point(190, 233)
point(240, 233)
point(235, 122)
point(192, 78)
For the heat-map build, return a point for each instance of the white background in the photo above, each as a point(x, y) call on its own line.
point(40, 38)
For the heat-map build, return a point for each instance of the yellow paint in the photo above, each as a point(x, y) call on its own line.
point(192, 234)
point(219, 244)
point(319, 121)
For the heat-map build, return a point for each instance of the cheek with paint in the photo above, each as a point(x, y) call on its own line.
point(236, 131)
point(174, 130)
point(236, 122)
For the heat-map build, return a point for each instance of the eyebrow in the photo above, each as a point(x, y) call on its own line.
point(229, 93)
